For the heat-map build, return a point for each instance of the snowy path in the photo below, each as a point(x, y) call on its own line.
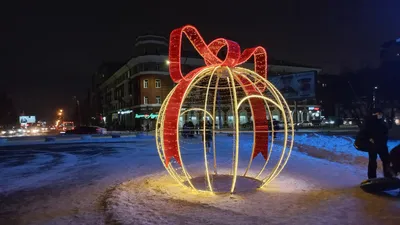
point(77, 189)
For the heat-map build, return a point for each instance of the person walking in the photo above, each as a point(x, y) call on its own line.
point(208, 137)
point(147, 128)
point(376, 132)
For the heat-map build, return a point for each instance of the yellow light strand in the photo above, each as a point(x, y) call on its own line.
point(213, 126)
point(278, 167)
point(160, 142)
point(161, 119)
point(202, 74)
point(197, 109)
point(252, 113)
point(204, 133)
point(232, 108)
point(285, 141)
point(236, 117)
point(254, 125)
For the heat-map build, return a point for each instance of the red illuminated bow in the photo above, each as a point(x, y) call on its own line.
point(209, 52)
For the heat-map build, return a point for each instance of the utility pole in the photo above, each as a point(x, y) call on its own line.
point(78, 110)
point(375, 89)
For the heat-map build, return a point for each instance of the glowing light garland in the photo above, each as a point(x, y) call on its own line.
point(228, 77)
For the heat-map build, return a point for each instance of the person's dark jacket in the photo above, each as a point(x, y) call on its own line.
point(208, 131)
point(375, 129)
point(276, 125)
point(395, 159)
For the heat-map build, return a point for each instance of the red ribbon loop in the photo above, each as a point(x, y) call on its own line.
point(209, 52)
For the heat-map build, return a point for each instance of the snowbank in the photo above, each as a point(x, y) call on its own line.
point(333, 148)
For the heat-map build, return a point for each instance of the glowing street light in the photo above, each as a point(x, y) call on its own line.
point(167, 62)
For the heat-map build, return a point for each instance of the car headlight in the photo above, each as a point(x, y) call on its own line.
point(3, 132)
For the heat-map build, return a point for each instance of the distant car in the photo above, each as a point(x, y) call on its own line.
point(34, 130)
point(66, 126)
point(87, 130)
point(306, 124)
point(8, 132)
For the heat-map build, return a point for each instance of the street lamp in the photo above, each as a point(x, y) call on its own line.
point(167, 62)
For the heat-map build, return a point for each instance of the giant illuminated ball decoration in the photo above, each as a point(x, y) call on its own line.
point(201, 89)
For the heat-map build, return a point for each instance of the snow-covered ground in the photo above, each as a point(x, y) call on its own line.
point(125, 183)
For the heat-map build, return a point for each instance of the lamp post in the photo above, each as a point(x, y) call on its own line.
point(60, 119)
point(78, 108)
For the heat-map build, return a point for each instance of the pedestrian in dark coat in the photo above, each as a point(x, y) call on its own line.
point(208, 137)
point(376, 132)
point(147, 129)
point(395, 159)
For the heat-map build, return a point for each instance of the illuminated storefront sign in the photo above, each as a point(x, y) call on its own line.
point(146, 116)
point(125, 112)
point(313, 108)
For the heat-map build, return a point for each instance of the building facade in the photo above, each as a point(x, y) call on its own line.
point(131, 97)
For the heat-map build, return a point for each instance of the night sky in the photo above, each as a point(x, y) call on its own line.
point(49, 50)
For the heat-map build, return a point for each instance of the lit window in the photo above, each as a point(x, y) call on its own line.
point(145, 83)
point(158, 99)
point(158, 83)
point(146, 100)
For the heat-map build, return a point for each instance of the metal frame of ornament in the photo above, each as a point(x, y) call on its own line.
point(254, 85)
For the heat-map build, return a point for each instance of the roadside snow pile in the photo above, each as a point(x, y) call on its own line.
point(340, 144)
point(333, 148)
